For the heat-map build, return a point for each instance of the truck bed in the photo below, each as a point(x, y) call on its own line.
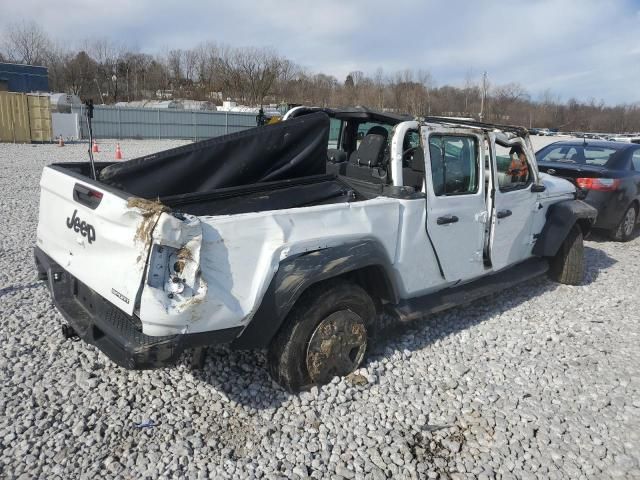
point(301, 192)
point(257, 197)
point(277, 167)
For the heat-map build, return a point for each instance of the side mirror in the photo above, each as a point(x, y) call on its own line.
point(537, 188)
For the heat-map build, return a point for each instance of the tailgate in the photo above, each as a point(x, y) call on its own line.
point(96, 235)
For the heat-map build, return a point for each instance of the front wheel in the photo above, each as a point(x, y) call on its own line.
point(624, 230)
point(326, 334)
point(568, 265)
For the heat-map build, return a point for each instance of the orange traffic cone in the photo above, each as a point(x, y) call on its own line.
point(95, 148)
point(118, 152)
point(60, 141)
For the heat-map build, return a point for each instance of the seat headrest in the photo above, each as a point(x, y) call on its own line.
point(370, 151)
point(378, 130)
point(336, 156)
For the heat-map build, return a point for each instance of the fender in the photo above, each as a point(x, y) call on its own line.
point(297, 273)
point(560, 219)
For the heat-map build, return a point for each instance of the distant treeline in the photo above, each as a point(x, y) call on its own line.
point(253, 76)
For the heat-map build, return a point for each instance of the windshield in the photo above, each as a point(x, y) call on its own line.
point(577, 154)
point(335, 127)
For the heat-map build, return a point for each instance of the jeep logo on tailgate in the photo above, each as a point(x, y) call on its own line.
point(85, 229)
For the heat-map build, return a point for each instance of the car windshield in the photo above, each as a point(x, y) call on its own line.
point(335, 127)
point(579, 154)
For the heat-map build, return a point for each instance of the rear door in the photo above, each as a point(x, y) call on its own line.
point(96, 235)
point(456, 205)
point(515, 206)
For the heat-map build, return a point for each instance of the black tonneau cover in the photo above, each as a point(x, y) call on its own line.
point(291, 149)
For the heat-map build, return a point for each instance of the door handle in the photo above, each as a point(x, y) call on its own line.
point(87, 197)
point(447, 219)
point(504, 213)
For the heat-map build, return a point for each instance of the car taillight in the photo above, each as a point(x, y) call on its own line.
point(601, 184)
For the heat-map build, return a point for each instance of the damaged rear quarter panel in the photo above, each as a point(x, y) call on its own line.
point(163, 312)
point(239, 254)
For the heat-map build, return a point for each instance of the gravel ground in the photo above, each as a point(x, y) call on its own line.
point(540, 381)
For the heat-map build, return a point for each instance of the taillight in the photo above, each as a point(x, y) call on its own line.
point(601, 184)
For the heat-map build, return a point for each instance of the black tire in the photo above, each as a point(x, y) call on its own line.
point(334, 304)
point(568, 265)
point(624, 231)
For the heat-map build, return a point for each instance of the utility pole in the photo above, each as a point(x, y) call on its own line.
point(483, 94)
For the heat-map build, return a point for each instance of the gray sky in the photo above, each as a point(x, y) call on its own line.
point(576, 48)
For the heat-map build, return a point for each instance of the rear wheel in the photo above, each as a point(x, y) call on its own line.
point(624, 230)
point(568, 265)
point(325, 335)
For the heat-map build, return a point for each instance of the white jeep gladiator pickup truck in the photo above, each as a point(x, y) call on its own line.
point(296, 237)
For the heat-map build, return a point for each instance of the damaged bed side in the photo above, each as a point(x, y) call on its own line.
point(134, 271)
point(100, 231)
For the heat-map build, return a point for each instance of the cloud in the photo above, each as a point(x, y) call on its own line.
point(576, 48)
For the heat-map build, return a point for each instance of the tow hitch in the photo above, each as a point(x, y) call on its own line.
point(69, 333)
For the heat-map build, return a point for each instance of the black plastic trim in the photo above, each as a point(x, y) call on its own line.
point(298, 273)
point(561, 217)
point(414, 308)
point(115, 333)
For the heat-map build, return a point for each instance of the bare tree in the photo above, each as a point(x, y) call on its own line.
point(357, 76)
point(503, 100)
point(54, 61)
point(258, 69)
point(107, 54)
point(26, 42)
point(255, 76)
point(79, 72)
point(379, 82)
point(174, 62)
point(190, 63)
point(472, 94)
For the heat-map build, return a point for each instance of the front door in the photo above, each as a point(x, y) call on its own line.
point(515, 204)
point(456, 205)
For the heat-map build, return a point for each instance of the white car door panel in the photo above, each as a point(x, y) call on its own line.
point(515, 206)
point(456, 206)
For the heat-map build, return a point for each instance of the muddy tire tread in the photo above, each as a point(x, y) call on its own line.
point(286, 356)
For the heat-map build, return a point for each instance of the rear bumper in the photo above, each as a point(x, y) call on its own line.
point(117, 334)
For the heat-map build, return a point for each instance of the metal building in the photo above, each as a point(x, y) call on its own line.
point(157, 123)
point(23, 78)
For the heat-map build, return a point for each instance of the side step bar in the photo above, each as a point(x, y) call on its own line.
point(415, 308)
